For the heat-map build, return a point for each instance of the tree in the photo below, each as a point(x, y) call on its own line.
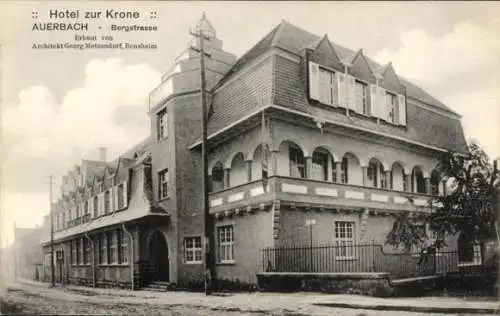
point(468, 207)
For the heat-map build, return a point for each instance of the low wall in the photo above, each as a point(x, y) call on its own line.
point(373, 284)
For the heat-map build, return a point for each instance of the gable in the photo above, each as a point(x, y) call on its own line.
point(360, 68)
point(324, 54)
point(390, 80)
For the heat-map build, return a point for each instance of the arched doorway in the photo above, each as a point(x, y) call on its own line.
point(158, 256)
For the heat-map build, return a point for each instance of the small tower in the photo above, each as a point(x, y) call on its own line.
point(182, 77)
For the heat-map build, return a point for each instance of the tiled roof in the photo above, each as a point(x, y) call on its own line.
point(432, 130)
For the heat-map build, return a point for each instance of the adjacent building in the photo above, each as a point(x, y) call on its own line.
point(301, 131)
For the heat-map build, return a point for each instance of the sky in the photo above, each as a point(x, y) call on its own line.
point(58, 107)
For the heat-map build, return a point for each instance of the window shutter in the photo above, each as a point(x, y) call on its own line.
point(402, 109)
point(125, 195)
point(352, 94)
point(314, 90)
point(382, 109)
point(373, 100)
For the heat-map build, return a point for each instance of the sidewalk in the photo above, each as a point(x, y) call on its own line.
point(305, 302)
point(445, 305)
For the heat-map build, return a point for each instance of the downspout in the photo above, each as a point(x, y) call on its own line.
point(93, 258)
point(131, 237)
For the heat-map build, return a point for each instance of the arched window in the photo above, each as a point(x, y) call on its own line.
point(351, 170)
point(296, 161)
point(398, 177)
point(418, 181)
point(435, 180)
point(238, 174)
point(322, 162)
point(217, 178)
point(376, 174)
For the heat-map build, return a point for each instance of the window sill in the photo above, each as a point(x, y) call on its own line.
point(163, 199)
point(193, 262)
point(112, 265)
point(345, 258)
point(226, 263)
point(468, 264)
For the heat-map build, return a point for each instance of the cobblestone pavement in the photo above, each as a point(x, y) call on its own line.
point(38, 299)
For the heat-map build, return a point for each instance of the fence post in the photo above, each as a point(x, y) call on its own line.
point(373, 255)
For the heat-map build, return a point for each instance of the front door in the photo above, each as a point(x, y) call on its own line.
point(158, 257)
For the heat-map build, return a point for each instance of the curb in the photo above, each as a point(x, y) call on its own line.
point(421, 309)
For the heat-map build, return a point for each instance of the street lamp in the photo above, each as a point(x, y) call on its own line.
point(205, 31)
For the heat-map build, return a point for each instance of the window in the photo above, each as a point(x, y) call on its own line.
point(122, 246)
point(162, 124)
point(77, 249)
point(383, 177)
point(86, 207)
point(344, 168)
point(361, 97)
point(96, 206)
point(226, 244)
point(119, 198)
point(344, 239)
point(418, 181)
point(107, 202)
point(73, 251)
point(82, 250)
point(163, 186)
point(327, 87)
point(372, 173)
point(320, 166)
point(297, 164)
point(111, 247)
point(86, 253)
point(103, 248)
point(192, 250)
point(391, 101)
point(77, 212)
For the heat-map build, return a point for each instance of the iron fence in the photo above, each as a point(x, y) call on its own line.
point(370, 257)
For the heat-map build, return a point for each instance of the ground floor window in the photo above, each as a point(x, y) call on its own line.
point(111, 247)
point(193, 249)
point(73, 252)
point(344, 239)
point(123, 247)
point(226, 243)
point(102, 248)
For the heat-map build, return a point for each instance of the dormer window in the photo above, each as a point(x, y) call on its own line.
point(107, 202)
point(327, 87)
point(391, 103)
point(162, 124)
point(361, 90)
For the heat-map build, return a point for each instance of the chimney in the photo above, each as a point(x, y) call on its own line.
point(102, 153)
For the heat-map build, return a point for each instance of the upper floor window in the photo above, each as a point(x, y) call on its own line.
point(392, 104)
point(119, 197)
point(362, 97)
point(163, 183)
point(327, 87)
point(297, 163)
point(107, 202)
point(96, 206)
point(344, 168)
point(320, 166)
point(86, 207)
point(162, 124)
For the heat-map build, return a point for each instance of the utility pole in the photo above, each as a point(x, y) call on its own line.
point(52, 267)
point(204, 31)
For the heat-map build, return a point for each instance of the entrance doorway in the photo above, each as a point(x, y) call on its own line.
point(158, 257)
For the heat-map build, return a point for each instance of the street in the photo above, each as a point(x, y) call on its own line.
point(37, 299)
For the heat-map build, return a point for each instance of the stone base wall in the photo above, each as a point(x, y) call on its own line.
point(374, 285)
